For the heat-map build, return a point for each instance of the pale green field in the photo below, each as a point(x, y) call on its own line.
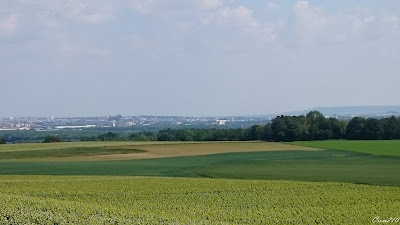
point(138, 200)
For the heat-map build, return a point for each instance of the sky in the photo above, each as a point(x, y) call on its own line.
point(196, 57)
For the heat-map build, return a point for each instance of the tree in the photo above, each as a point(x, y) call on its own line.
point(372, 129)
point(267, 132)
point(51, 139)
point(287, 128)
point(355, 128)
point(2, 141)
point(254, 133)
point(293, 131)
point(391, 128)
point(184, 135)
point(312, 119)
point(166, 135)
point(278, 128)
point(143, 136)
point(110, 136)
point(338, 128)
point(318, 126)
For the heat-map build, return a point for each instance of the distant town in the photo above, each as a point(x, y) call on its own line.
point(118, 121)
point(53, 123)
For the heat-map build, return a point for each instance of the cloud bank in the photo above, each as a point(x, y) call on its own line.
point(203, 57)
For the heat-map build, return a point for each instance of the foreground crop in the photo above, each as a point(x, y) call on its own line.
point(126, 200)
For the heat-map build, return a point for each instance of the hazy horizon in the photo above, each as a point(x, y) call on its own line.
point(353, 109)
point(196, 57)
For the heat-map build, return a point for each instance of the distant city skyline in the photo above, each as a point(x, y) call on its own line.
point(196, 57)
point(153, 122)
point(329, 111)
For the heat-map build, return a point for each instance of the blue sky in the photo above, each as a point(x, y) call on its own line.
point(203, 57)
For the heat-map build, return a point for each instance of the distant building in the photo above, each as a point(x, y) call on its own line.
point(221, 122)
point(74, 127)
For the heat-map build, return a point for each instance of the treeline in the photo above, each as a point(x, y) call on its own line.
point(28, 136)
point(177, 135)
point(313, 126)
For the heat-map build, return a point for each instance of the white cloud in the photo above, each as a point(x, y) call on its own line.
point(64, 44)
point(309, 17)
point(87, 11)
point(210, 4)
point(272, 7)
point(314, 25)
point(90, 11)
point(138, 42)
point(241, 18)
point(8, 24)
point(240, 43)
point(143, 6)
point(69, 48)
point(151, 6)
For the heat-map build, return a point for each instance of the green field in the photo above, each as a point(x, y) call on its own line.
point(329, 165)
point(388, 148)
point(226, 182)
point(135, 200)
point(257, 160)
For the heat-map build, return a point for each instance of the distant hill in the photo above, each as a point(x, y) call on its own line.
point(350, 111)
point(376, 111)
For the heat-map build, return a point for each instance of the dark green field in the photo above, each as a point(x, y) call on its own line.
point(387, 147)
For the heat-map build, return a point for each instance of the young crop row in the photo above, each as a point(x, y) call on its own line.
point(128, 200)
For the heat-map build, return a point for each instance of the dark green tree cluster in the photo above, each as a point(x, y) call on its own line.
point(202, 135)
point(52, 139)
point(110, 136)
point(313, 126)
point(2, 141)
point(143, 136)
point(360, 128)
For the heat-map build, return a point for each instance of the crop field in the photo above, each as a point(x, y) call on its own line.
point(133, 150)
point(387, 147)
point(327, 165)
point(133, 200)
point(199, 183)
point(252, 160)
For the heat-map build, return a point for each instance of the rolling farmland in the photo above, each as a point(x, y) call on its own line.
point(198, 183)
point(83, 151)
